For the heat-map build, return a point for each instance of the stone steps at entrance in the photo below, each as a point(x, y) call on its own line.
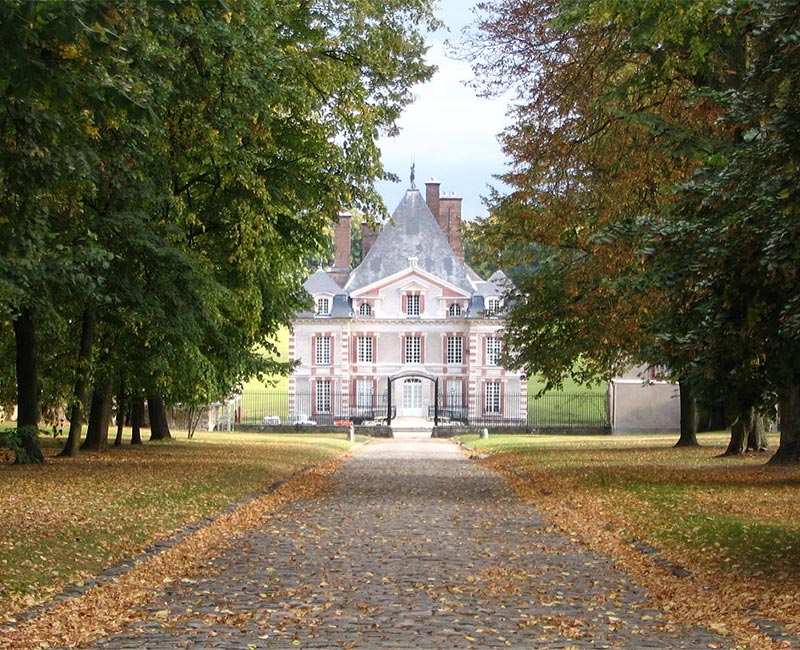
point(411, 427)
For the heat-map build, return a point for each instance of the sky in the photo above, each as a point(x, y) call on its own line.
point(448, 133)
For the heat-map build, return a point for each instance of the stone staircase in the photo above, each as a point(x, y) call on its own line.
point(408, 427)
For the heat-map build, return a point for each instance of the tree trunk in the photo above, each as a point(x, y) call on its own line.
point(688, 417)
point(27, 369)
point(740, 430)
point(194, 414)
point(159, 427)
point(99, 418)
point(757, 437)
point(77, 415)
point(137, 415)
point(122, 404)
point(789, 417)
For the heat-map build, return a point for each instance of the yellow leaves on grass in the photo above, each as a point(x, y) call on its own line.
point(633, 502)
point(107, 607)
point(70, 519)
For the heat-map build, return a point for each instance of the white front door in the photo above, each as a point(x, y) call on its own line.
point(412, 398)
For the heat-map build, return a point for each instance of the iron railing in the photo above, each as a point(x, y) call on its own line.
point(568, 410)
point(552, 410)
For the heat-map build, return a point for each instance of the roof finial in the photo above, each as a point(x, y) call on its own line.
point(413, 185)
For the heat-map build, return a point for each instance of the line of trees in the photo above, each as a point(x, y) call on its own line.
point(654, 157)
point(165, 170)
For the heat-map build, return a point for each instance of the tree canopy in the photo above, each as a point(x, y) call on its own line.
point(168, 167)
point(653, 165)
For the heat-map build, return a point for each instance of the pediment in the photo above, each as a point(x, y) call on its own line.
point(410, 279)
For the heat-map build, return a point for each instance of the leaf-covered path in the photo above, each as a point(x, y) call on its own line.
point(415, 546)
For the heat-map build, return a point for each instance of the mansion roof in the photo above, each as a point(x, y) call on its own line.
point(411, 240)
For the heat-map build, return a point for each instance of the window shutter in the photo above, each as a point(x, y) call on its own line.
point(313, 350)
point(421, 304)
point(405, 304)
point(374, 349)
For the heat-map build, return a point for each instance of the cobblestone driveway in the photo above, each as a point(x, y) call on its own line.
point(416, 547)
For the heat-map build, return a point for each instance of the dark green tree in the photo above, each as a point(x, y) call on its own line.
point(167, 170)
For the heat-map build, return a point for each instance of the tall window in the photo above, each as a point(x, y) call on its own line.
point(323, 306)
point(365, 309)
point(364, 393)
point(494, 347)
point(323, 351)
point(492, 397)
point(455, 349)
point(323, 396)
point(454, 310)
point(454, 393)
point(413, 349)
point(412, 305)
point(364, 349)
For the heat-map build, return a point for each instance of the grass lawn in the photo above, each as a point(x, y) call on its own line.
point(729, 528)
point(71, 518)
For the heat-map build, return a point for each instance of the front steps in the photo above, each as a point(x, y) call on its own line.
point(409, 427)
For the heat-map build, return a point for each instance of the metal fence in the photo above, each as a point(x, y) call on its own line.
point(552, 410)
point(569, 410)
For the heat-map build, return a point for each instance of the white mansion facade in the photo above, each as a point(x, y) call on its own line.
point(412, 316)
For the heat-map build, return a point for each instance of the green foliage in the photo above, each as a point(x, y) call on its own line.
point(173, 166)
point(654, 161)
point(22, 443)
point(727, 247)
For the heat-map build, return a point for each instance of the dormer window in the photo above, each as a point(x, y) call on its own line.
point(323, 307)
point(412, 305)
point(492, 306)
point(365, 309)
point(454, 310)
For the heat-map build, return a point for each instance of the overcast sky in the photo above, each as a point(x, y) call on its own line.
point(449, 132)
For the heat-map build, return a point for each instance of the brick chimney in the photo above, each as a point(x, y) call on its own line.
point(450, 220)
point(341, 242)
point(369, 233)
point(432, 197)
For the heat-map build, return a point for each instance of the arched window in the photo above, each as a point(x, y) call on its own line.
point(365, 309)
point(454, 310)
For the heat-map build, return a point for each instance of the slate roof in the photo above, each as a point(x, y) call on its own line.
point(322, 283)
point(496, 285)
point(413, 233)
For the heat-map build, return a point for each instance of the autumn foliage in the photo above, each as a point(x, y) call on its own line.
point(653, 168)
point(73, 518)
point(715, 545)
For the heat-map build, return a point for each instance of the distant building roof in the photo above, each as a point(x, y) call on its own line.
point(321, 282)
point(412, 235)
